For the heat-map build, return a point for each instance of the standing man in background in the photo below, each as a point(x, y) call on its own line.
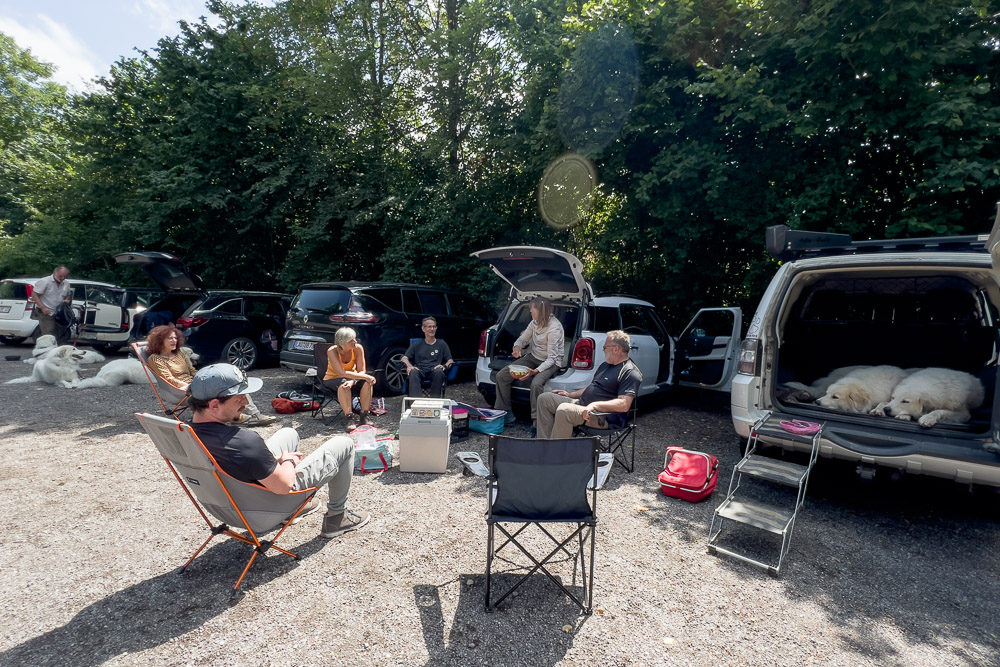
point(48, 294)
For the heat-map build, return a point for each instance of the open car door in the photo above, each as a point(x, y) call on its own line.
point(707, 349)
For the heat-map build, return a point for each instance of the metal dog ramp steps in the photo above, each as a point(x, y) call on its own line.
point(757, 514)
point(781, 472)
point(777, 514)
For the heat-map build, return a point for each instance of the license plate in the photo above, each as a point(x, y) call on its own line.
point(4, 309)
point(303, 345)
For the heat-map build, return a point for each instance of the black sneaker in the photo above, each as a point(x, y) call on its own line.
point(365, 418)
point(350, 422)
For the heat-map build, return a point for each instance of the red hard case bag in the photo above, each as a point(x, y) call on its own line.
point(689, 475)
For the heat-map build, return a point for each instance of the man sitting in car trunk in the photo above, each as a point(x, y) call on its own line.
point(615, 386)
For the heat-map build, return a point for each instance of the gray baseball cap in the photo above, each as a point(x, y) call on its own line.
point(222, 381)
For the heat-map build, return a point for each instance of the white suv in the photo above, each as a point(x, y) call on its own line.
point(104, 321)
point(911, 303)
point(704, 356)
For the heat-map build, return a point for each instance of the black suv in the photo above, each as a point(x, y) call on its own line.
point(241, 327)
point(387, 317)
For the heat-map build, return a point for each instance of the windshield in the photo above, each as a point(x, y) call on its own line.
point(325, 301)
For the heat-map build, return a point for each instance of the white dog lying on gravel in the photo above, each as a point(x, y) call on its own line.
point(116, 372)
point(934, 396)
point(59, 366)
point(47, 343)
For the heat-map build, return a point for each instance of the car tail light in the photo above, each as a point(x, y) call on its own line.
point(483, 338)
point(749, 362)
point(126, 322)
point(355, 313)
point(583, 354)
point(190, 322)
point(28, 289)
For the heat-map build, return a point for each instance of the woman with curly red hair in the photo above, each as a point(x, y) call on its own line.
point(171, 364)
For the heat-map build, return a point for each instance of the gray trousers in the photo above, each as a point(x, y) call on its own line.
point(332, 463)
point(48, 327)
point(504, 382)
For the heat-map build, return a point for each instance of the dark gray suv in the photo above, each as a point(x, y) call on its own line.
point(387, 317)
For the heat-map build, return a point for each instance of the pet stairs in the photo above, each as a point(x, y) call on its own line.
point(766, 515)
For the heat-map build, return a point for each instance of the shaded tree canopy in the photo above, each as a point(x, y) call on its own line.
point(332, 139)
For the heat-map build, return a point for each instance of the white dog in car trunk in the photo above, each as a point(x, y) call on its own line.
point(862, 389)
point(934, 396)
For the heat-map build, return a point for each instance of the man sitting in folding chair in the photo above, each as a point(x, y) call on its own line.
point(615, 386)
point(169, 363)
point(427, 359)
point(218, 396)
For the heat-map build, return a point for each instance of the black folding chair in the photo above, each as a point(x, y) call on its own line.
point(617, 440)
point(538, 483)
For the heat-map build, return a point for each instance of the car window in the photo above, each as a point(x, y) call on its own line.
point(234, 306)
point(465, 306)
point(411, 304)
point(712, 323)
point(96, 294)
point(642, 321)
point(605, 319)
point(265, 307)
point(79, 292)
point(432, 303)
point(326, 301)
point(387, 296)
point(13, 291)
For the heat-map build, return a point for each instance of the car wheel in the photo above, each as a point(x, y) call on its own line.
point(240, 352)
point(13, 340)
point(107, 348)
point(391, 374)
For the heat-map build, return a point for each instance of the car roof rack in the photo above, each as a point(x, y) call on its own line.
point(786, 244)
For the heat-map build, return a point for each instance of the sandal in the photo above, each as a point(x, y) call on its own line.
point(800, 427)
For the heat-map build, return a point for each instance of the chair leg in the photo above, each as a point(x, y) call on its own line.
point(489, 565)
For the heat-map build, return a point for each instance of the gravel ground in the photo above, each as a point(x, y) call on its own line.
point(901, 573)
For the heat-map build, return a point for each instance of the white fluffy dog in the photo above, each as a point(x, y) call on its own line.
point(807, 393)
point(116, 372)
point(862, 389)
point(47, 343)
point(933, 396)
point(60, 366)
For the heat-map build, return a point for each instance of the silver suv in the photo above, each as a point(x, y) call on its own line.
point(704, 355)
point(911, 303)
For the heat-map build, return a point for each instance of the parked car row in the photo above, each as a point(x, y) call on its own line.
point(106, 312)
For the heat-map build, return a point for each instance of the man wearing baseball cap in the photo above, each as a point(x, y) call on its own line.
point(218, 396)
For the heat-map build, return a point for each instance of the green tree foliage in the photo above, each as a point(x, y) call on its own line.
point(335, 139)
point(35, 163)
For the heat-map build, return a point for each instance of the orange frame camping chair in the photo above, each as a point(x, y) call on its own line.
point(174, 396)
point(243, 506)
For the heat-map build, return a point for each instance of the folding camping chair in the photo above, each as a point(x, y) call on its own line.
point(618, 440)
point(322, 395)
point(165, 393)
point(540, 482)
point(243, 506)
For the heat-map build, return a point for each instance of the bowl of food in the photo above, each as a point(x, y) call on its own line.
point(518, 372)
point(12, 357)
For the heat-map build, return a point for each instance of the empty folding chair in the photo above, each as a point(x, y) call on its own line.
point(542, 483)
point(619, 441)
point(172, 400)
point(236, 504)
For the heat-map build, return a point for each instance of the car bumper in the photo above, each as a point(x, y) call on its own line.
point(906, 448)
point(20, 328)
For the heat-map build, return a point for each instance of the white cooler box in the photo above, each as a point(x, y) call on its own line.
point(424, 434)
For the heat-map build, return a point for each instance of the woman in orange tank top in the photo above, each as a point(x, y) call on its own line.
point(346, 374)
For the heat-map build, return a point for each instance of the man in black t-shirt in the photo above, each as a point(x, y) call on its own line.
point(615, 386)
point(429, 357)
point(218, 396)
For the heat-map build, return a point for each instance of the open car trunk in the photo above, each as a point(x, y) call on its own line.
point(910, 317)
